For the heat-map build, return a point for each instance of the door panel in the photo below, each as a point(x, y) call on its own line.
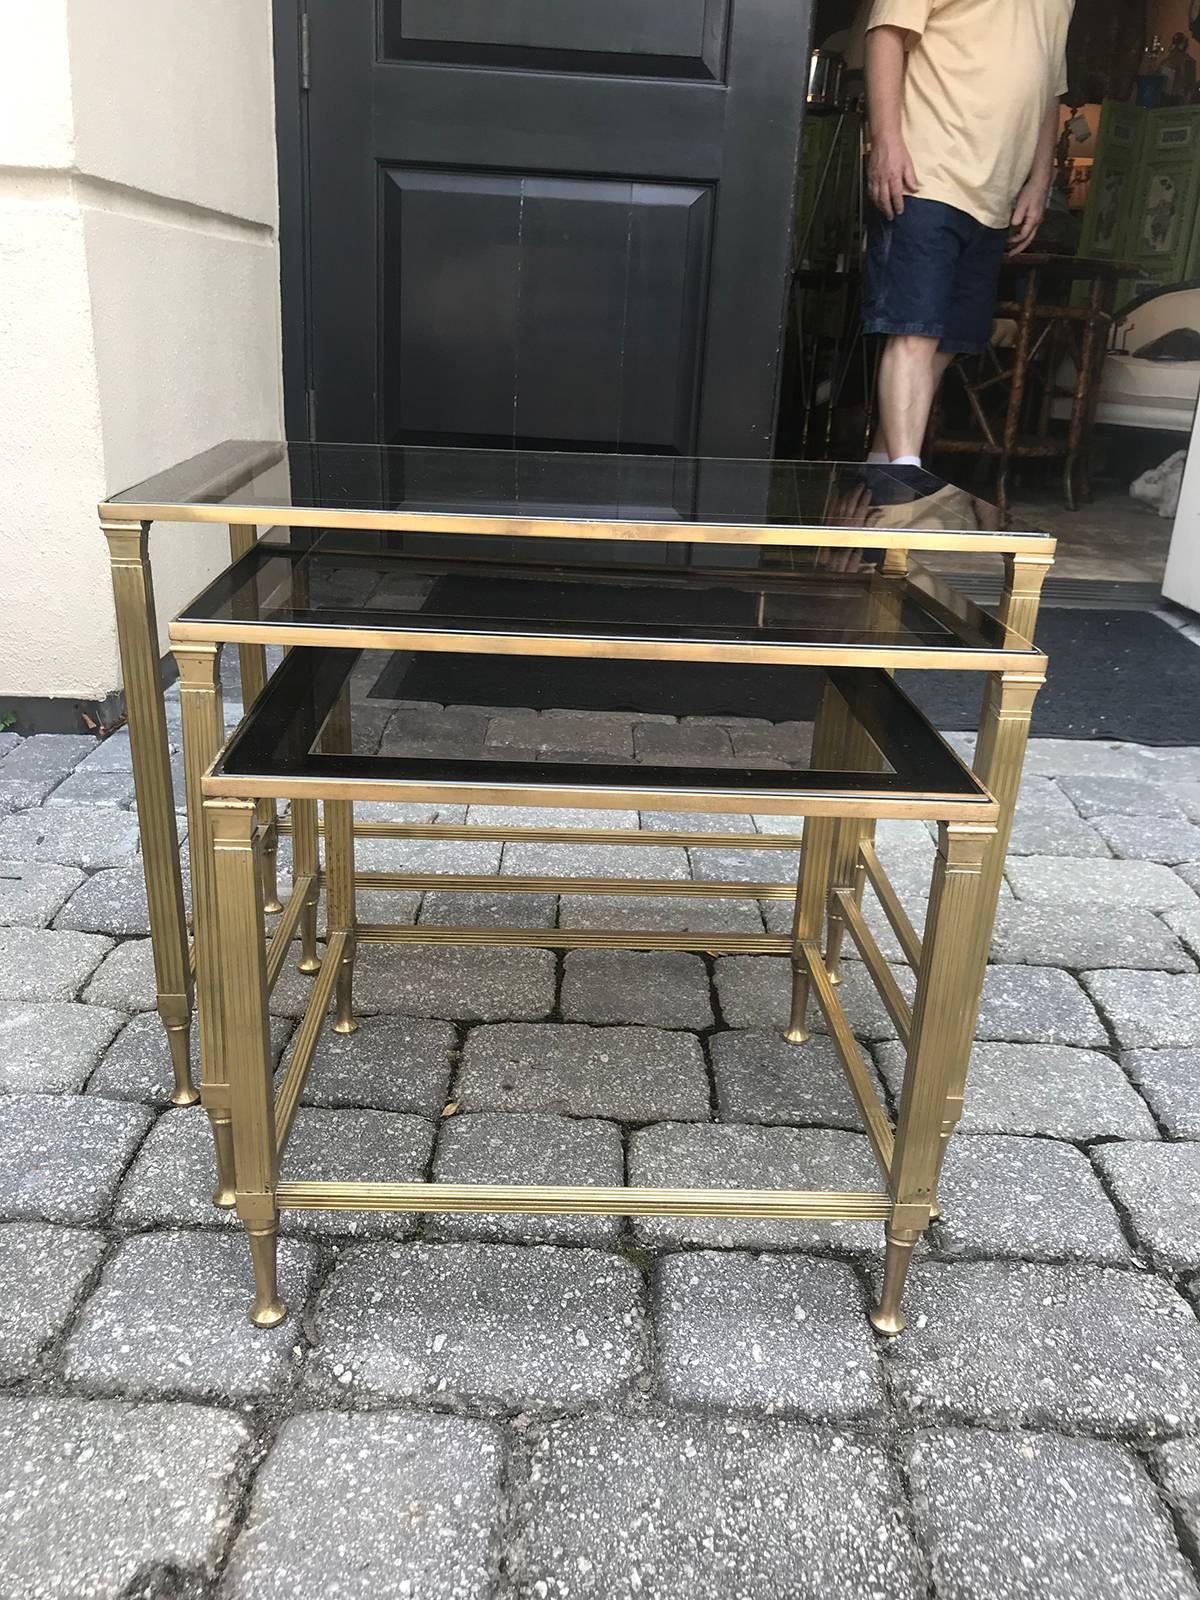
point(580, 242)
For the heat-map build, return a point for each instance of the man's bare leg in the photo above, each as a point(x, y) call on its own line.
point(909, 374)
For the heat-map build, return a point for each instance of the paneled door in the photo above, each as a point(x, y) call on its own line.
point(556, 224)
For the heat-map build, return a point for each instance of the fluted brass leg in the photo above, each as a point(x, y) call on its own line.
point(796, 1031)
point(339, 884)
point(236, 845)
point(811, 890)
point(887, 1317)
point(943, 1025)
point(305, 856)
point(137, 635)
point(270, 871)
point(252, 670)
point(268, 1309)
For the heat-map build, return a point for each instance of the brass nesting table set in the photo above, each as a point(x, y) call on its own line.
point(645, 586)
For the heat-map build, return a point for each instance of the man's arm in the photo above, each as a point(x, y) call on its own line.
point(890, 174)
point(1031, 202)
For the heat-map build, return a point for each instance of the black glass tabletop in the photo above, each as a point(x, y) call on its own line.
point(711, 601)
point(362, 717)
point(547, 492)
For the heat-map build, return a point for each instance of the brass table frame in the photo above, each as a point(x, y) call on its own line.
point(937, 1029)
point(1011, 685)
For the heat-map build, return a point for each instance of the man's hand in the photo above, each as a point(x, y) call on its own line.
point(890, 175)
point(1027, 216)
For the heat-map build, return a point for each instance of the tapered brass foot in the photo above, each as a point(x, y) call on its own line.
point(308, 965)
point(225, 1193)
point(185, 1092)
point(270, 878)
point(887, 1317)
point(268, 1309)
point(346, 1025)
point(796, 1031)
point(833, 952)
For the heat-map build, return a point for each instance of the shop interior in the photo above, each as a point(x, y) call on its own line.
point(1078, 416)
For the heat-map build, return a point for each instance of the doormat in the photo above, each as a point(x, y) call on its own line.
point(1121, 675)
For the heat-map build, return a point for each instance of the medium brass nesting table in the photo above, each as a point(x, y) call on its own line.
point(685, 565)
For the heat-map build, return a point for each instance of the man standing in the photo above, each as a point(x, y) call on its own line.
point(962, 97)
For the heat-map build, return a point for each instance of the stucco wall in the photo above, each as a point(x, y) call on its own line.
point(139, 297)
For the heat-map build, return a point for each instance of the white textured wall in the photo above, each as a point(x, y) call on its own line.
point(139, 297)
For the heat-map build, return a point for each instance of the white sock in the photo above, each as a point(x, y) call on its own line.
point(878, 458)
point(906, 461)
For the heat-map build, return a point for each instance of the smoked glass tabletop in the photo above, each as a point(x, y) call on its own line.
point(541, 493)
point(446, 720)
point(601, 595)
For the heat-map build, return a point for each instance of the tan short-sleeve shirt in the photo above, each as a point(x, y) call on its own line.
point(979, 77)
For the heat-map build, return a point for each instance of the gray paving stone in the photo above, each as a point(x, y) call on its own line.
point(1079, 758)
point(1170, 1081)
point(1019, 1344)
point(762, 1078)
point(1047, 824)
point(626, 1074)
point(390, 1064)
point(19, 795)
point(383, 905)
point(62, 1156)
point(1046, 1089)
point(51, 1049)
point(1190, 874)
point(1155, 1010)
point(1157, 1186)
point(111, 755)
point(454, 981)
point(98, 1493)
point(8, 743)
point(691, 1156)
point(1177, 1467)
point(31, 892)
point(137, 1065)
point(781, 741)
point(652, 913)
point(1057, 936)
point(42, 1272)
point(562, 733)
point(661, 988)
point(776, 1334)
point(756, 992)
point(1164, 839)
point(169, 1318)
point(415, 1498)
point(1039, 1517)
point(171, 1182)
point(125, 978)
point(1188, 796)
point(1113, 797)
point(114, 902)
point(549, 817)
point(1184, 922)
point(90, 787)
point(426, 855)
point(494, 1325)
point(434, 732)
point(72, 835)
point(1032, 1199)
point(690, 742)
point(780, 826)
point(674, 1508)
point(403, 811)
point(1125, 885)
point(500, 910)
point(532, 1148)
point(1037, 1005)
point(1171, 763)
point(51, 755)
point(595, 861)
point(697, 822)
point(745, 866)
point(40, 964)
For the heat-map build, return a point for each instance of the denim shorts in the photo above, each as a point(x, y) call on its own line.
point(932, 271)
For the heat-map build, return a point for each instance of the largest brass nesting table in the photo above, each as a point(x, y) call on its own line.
point(776, 533)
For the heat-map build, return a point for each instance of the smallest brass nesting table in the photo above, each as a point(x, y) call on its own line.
point(874, 756)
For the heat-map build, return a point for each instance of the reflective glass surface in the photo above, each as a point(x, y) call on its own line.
point(519, 485)
point(470, 719)
point(705, 594)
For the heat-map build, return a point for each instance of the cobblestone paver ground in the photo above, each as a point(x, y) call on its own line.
point(533, 1408)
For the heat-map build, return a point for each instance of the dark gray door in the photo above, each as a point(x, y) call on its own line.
point(550, 223)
